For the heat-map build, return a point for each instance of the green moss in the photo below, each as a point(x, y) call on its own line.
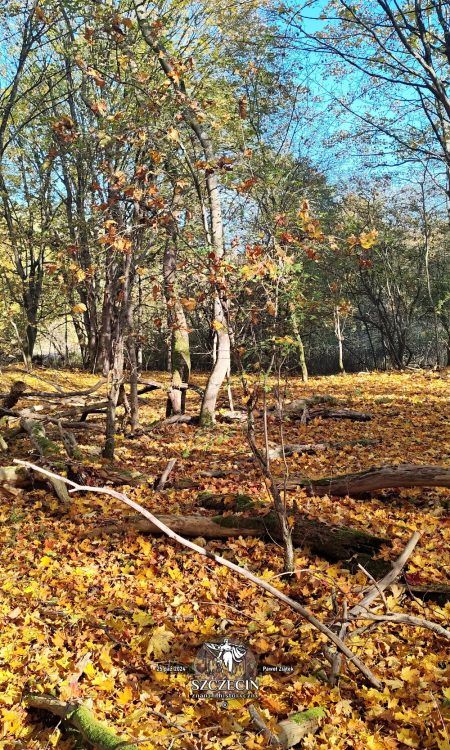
point(242, 522)
point(46, 446)
point(239, 502)
point(311, 713)
point(243, 502)
point(97, 733)
point(207, 420)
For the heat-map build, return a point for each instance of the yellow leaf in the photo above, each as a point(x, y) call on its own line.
point(54, 737)
point(58, 639)
point(408, 737)
point(89, 669)
point(45, 561)
point(409, 675)
point(79, 308)
point(13, 721)
point(367, 239)
point(105, 660)
point(159, 643)
point(143, 619)
point(104, 683)
point(125, 696)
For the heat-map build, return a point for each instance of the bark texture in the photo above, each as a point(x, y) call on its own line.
point(378, 478)
point(332, 542)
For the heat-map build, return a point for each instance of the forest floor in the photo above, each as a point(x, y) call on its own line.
point(133, 600)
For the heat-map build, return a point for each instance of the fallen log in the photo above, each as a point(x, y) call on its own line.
point(15, 476)
point(371, 480)
point(289, 449)
point(326, 407)
point(299, 405)
point(332, 542)
point(66, 394)
point(94, 732)
point(325, 413)
point(175, 419)
point(46, 447)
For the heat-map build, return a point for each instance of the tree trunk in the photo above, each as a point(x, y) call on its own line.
point(300, 348)
point(113, 397)
point(214, 233)
point(340, 339)
point(332, 542)
point(379, 478)
point(222, 363)
point(220, 368)
point(180, 358)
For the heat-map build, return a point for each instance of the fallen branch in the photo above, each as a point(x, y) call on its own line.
point(162, 481)
point(66, 394)
point(271, 739)
point(404, 619)
point(375, 591)
point(293, 729)
point(261, 583)
point(379, 586)
point(15, 476)
point(361, 610)
point(176, 419)
point(378, 478)
point(93, 731)
point(325, 413)
point(326, 407)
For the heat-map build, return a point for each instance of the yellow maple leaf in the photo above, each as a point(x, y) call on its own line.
point(143, 619)
point(58, 638)
point(159, 643)
point(408, 737)
point(105, 660)
point(125, 696)
point(103, 683)
point(13, 721)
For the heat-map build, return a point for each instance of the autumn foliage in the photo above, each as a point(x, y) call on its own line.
point(130, 601)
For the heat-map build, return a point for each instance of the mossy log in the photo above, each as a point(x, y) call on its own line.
point(46, 447)
point(293, 729)
point(95, 732)
point(332, 542)
point(371, 480)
